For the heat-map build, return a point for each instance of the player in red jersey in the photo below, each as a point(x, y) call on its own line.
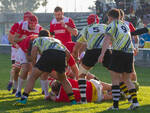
point(15, 70)
point(27, 28)
point(96, 91)
point(62, 27)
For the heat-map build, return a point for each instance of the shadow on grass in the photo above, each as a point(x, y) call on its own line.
point(141, 109)
point(32, 105)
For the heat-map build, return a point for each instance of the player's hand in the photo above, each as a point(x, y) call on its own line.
point(100, 59)
point(136, 51)
point(63, 24)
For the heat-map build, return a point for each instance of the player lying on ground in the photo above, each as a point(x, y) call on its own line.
point(96, 91)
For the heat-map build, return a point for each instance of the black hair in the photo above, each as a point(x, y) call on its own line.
point(58, 9)
point(43, 33)
point(114, 13)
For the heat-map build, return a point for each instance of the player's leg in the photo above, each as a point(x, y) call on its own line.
point(29, 86)
point(13, 54)
point(22, 78)
point(44, 84)
point(25, 67)
point(89, 60)
point(126, 77)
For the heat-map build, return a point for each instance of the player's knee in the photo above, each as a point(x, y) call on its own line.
point(82, 71)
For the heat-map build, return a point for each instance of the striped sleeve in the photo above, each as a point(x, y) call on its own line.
point(82, 36)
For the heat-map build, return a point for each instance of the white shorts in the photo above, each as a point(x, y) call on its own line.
point(99, 88)
point(20, 58)
point(13, 53)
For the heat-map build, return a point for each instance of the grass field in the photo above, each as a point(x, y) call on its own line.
point(36, 103)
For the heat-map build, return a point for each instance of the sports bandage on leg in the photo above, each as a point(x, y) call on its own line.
point(82, 70)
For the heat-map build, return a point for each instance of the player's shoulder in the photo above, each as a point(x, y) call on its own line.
point(67, 19)
point(54, 21)
point(24, 25)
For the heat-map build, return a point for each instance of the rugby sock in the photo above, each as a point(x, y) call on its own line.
point(124, 89)
point(20, 84)
point(71, 98)
point(11, 78)
point(15, 84)
point(82, 87)
point(44, 85)
point(133, 94)
point(116, 95)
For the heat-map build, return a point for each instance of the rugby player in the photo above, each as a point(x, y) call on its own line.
point(118, 34)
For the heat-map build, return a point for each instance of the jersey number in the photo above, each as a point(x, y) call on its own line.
point(96, 29)
point(124, 29)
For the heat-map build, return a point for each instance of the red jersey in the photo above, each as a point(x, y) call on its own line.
point(24, 30)
point(26, 43)
point(70, 46)
point(63, 97)
point(14, 29)
point(60, 32)
point(71, 61)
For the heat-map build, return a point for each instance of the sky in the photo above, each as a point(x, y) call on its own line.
point(68, 5)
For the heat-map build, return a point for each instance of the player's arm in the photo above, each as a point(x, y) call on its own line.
point(29, 57)
point(81, 42)
point(73, 66)
point(106, 43)
point(11, 39)
point(139, 31)
point(76, 50)
point(75, 70)
point(73, 31)
point(17, 39)
point(34, 53)
point(70, 27)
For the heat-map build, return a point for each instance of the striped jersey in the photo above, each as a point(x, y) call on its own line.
point(93, 35)
point(45, 43)
point(121, 37)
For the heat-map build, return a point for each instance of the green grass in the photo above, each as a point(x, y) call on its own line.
point(36, 103)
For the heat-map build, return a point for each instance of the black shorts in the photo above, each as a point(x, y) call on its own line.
point(52, 59)
point(91, 57)
point(12, 61)
point(107, 58)
point(121, 62)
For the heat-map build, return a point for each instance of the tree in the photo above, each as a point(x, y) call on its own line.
point(21, 6)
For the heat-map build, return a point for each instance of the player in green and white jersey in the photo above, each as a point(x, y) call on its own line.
point(118, 34)
point(92, 35)
point(53, 57)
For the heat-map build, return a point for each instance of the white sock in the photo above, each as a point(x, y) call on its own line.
point(44, 85)
point(11, 77)
point(15, 84)
point(20, 84)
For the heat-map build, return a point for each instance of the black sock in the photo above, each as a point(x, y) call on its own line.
point(116, 95)
point(82, 88)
